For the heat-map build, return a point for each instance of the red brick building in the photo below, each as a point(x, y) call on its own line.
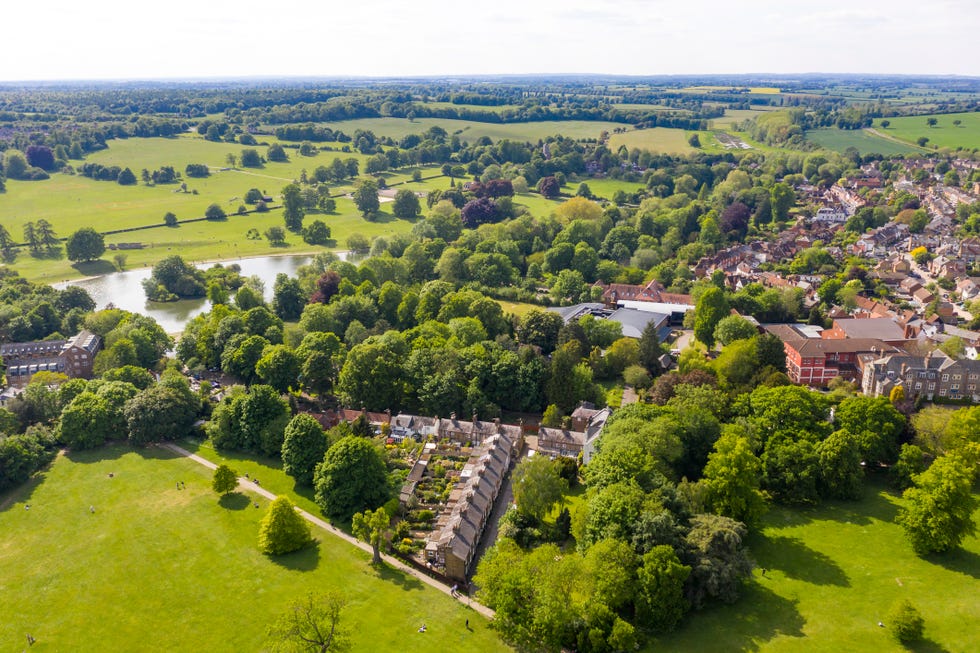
point(817, 361)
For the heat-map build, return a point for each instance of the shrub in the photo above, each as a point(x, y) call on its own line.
point(905, 622)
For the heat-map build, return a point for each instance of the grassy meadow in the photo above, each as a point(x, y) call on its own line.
point(864, 141)
point(657, 139)
point(69, 202)
point(161, 569)
point(944, 134)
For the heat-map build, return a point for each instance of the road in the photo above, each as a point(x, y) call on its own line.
point(249, 486)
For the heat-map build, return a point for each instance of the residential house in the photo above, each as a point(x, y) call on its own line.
point(586, 429)
point(452, 546)
point(931, 377)
point(875, 328)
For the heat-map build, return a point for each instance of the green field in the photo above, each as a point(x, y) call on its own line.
point(833, 574)
point(733, 116)
point(69, 202)
point(161, 569)
point(866, 142)
point(658, 139)
point(492, 108)
point(944, 134)
point(471, 131)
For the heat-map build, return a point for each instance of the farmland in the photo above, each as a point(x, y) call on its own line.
point(471, 131)
point(657, 139)
point(67, 574)
point(864, 141)
point(944, 134)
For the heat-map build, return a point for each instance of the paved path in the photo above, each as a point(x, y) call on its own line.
point(250, 486)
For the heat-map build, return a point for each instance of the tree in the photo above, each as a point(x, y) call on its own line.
point(732, 328)
point(911, 462)
point(224, 480)
point(791, 469)
point(303, 448)
point(650, 349)
point(718, 559)
point(406, 205)
point(840, 466)
point(250, 158)
point(710, 309)
point(537, 486)
point(731, 480)
point(126, 177)
point(40, 156)
point(276, 152)
point(85, 422)
point(317, 233)
point(288, 298)
point(311, 625)
point(372, 527)
point(549, 187)
point(292, 207)
point(660, 600)
point(938, 510)
point(170, 219)
point(279, 367)
point(276, 236)
point(282, 529)
point(694, 141)
point(86, 244)
point(781, 198)
point(46, 235)
point(875, 423)
point(214, 212)
point(366, 198)
point(932, 122)
point(159, 413)
point(351, 478)
point(905, 623)
point(885, 124)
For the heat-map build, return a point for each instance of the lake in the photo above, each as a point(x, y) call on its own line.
point(125, 289)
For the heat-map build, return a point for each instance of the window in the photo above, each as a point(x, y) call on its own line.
point(942, 393)
point(918, 386)
point(932, 386)
point(957, 377)
point(973, 377)
point(945, 377)
point(955, 387)
point(971, 387)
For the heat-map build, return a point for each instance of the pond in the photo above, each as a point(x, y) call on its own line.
point(125, 289)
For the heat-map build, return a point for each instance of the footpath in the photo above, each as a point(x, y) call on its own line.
point(250, 486)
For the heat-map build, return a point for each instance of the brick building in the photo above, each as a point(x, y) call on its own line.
point(74, 357)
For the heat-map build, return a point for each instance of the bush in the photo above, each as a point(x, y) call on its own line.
point(905, 623)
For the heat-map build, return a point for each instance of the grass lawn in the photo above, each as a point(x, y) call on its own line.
point(656, 139)
point(161, 569)
point(833, 574)
point(865, 142)
point(470, 130)
point(520, 309)
point(944, 134)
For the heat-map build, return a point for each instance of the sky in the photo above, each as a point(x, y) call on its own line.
point(123, 39)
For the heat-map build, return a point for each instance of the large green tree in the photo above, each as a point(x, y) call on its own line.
point(710, 309)
point(224, 480)
point(282, 529)
point(406, 205)
point(660, 601)
point(292, 207)
point(732, 478)
point(351, 478)
point(366, 198)
point(537, 486)
point(938, 510)
point(303, 448)
point(311, 625)
point(85, 422)
point(86, 244)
